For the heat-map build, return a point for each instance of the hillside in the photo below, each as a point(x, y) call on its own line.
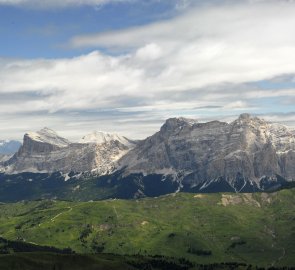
point(204, 228)
point(49, 261)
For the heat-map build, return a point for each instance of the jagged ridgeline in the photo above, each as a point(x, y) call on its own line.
point(45, 151)
point(246, 155)
point(64, 192)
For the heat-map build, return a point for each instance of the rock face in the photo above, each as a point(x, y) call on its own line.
point(45, 151)
point(245, 153)
point(248, 154)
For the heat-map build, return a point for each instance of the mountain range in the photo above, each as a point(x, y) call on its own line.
point(45, 151)
point(246, 155)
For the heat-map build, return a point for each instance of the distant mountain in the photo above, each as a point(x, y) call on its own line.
point(99, 137)
point(9, 147)
point(246, 155)
point(45, 151)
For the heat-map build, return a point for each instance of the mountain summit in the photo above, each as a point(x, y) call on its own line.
point(240, 154)
point(44, 140)
point(46, 151)
point(248, 154)
point(99, 137)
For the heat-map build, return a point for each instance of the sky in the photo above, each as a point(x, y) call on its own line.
point(125, 66)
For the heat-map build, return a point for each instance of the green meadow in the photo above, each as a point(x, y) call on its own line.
point(257, 229)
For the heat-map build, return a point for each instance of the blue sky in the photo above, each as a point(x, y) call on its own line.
point(127, 65)
point(33, 33)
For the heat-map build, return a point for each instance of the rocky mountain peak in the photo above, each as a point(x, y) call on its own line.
point(243, 151)
point(46, 151)
point(42, 141)
point(177, 123)
point(46, 136)
point(245, 116)
point(100, 137)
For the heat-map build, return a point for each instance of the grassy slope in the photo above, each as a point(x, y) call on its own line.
point(50, 261)
point(47, 261)
point(253, 228)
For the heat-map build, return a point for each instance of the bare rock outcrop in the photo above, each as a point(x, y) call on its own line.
point(46, 151)
point(242, 152)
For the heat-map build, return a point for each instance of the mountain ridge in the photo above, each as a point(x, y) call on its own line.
point(45, 151)
point(246, 155)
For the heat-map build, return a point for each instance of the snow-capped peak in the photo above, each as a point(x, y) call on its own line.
point(47, 135)
point(99, 137)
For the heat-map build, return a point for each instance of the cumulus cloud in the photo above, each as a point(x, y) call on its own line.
point(234, 43)
point(237, 43)
point(202, 59)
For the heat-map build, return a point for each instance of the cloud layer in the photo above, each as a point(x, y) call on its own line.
point(57, 3)
point(203, 62)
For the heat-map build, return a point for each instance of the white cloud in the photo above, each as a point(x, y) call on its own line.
point(149, 52)
point(228, 43)
point(88, 81)
point(171, 66)
point(239, 104)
